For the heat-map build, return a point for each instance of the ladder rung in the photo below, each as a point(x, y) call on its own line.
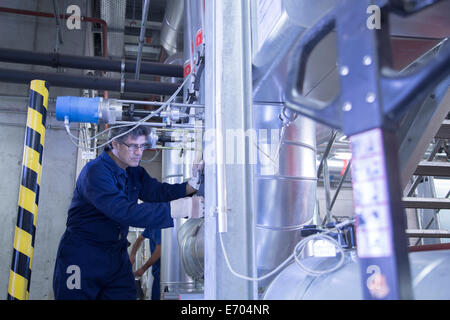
point(426, 203)
point(433, 168)
point(425, 233)
point(444, 130)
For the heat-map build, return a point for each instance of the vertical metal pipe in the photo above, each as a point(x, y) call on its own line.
point(189, 46)
point(141, 37)
point(59, 39)
point(326, 184)
point(228, 102)
point(22, 258)
point(219, 131)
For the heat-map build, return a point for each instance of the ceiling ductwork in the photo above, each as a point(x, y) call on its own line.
point(173, 26)
point(113, 12)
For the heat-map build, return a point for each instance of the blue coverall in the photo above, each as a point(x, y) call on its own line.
point(94, 245)
point(154, 237)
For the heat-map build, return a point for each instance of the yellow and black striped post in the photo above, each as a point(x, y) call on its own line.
point(22, 258)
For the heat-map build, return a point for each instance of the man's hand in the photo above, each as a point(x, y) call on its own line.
point(139, 272)
point(190, 207)
point(197, 171)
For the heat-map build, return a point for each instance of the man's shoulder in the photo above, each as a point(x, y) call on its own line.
point(95, 167)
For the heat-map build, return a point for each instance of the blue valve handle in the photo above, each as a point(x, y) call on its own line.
point(78, 109)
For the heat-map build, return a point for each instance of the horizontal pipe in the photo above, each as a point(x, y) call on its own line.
point(162, 125)
point(89, 82)
point(55, 60)
point(158, 103)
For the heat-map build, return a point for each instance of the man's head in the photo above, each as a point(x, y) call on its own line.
point(129, 147)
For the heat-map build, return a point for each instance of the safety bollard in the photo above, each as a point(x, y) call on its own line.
point(25, 230)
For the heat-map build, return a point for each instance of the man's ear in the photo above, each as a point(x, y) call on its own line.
point(115, 144)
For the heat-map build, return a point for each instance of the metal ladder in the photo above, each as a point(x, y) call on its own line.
point(428, 169)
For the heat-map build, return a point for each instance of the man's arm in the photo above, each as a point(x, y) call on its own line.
point(137, 244)
point(155, 256)
point(101, 190)
point(154, 191)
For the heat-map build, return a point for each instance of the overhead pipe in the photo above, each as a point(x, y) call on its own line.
point(88, 82)
point(56, 60)
point(58, 25)
point(141, 38)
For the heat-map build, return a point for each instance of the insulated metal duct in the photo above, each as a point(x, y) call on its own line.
point(285, 183)
point(172, 27)
point(429, 272)
point(190, 242)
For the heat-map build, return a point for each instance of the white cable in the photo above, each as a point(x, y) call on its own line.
point(152, 159)
point(299, 249)
point(296, 254)
point(245, 277)
point(138, 123)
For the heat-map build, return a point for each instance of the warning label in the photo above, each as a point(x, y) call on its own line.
point(370, 198)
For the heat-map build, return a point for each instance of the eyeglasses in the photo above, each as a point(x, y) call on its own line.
point(134, 147)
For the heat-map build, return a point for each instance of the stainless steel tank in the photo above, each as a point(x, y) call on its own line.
point(190, 242)
point(285, 183)
point(173, 276)
point(429, 273)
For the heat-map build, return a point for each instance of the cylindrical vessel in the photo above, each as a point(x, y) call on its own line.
point(191, 244)
point(173, 276)
point(20, 274)
point(285, 183)
point(429, 271)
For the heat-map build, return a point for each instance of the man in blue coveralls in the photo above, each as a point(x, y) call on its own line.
point(154, 237)
point(92, 261)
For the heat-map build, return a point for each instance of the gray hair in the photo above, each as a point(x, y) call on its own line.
point(120, 130)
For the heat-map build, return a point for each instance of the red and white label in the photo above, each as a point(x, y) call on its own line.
point(199, 38)
point(187, 68)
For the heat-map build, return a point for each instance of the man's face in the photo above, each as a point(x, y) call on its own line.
point(130, 152)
